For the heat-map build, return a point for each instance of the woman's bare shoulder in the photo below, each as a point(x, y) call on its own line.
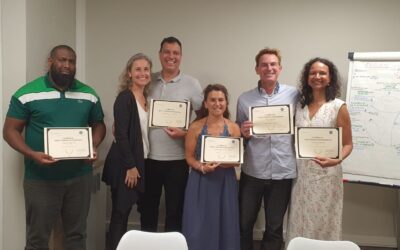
point(196, 125)
point(233, 128)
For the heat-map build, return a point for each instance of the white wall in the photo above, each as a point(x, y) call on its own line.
point(14, 68)
point(370, 214)
point(49, 23)
point(220, 40)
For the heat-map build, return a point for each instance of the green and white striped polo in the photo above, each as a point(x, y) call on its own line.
point(41, 105)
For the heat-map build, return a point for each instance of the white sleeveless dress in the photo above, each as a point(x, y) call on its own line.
point(317, 194)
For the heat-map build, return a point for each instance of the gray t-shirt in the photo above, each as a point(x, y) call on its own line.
point(182, 88)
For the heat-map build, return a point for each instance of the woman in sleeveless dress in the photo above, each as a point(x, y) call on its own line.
point(124, 166)
point(210, 215)
point(317, 194)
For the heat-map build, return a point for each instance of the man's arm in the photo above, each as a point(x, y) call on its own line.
point(12, 134)
point(175, 132)
point(98, 132)
point(242, 120)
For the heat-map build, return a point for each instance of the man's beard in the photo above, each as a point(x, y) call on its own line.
point(60, 79)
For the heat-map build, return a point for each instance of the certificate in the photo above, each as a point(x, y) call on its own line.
point(311, 142)
point(274, 119)
point(68, 143)
point(221, 149)
point(169, 114)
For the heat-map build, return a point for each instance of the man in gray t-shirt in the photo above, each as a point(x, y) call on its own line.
point(166, 166)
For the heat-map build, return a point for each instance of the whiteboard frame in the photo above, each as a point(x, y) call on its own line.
point(373, 57)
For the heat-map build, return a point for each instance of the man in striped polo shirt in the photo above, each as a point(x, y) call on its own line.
point(54, 188)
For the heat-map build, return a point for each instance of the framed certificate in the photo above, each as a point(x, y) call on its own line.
point(274, 119)
point(221, 149)
point(169, 114)
point(311, 142)
point(68, 143)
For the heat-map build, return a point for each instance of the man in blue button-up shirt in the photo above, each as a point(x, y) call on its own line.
point(269, 163)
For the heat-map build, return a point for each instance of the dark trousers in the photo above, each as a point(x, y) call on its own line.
point(118, 220)
point(45, 201)
point(276, 196)
point(172, 175)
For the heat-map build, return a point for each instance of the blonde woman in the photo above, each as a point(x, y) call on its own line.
point(124, 166)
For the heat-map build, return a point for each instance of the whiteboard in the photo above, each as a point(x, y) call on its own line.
point(373, 99)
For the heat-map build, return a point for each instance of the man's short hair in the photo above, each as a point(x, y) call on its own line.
point(268, 51)
point(62, 46)
point(170, 39)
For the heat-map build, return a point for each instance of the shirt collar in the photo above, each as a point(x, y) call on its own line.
point(51, 84)
point(262, 91)
point(175, 79)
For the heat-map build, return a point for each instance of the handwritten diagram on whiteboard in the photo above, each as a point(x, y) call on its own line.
point(373, 98)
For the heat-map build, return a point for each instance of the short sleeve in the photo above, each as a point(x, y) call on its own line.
point(197, 97)
point(18, 110)
point(241, 111)
point(96, 114)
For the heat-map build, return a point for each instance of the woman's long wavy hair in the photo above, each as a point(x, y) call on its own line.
point(203, 112)
point(332, 90)
point(125, 80)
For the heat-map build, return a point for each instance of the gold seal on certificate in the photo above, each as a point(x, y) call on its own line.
point(274, 119)
point(68, 143)
point(221, 149)
point(169, 114)
point(311, 142)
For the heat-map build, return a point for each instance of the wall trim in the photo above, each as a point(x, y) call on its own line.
point(2, 119)
point(371, 240)
point(13, 66)
point(81, 39)
point(361, 240)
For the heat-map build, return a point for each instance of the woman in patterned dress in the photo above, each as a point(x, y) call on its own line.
point(317, 194)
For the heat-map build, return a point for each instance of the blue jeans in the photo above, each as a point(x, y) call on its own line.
point(276, 196)
point(45, 201)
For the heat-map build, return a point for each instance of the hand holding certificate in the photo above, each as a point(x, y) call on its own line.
point(275, 119)
point(169, 114)
point(68, 143)
point(221, 149)
point(312, 142)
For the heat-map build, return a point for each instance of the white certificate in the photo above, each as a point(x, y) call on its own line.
point(311, 142)
point(274, 119)
point(169, 114)
point(221, 149)
point(68, 143)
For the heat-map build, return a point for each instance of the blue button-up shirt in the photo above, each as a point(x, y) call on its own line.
point(268, 157)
